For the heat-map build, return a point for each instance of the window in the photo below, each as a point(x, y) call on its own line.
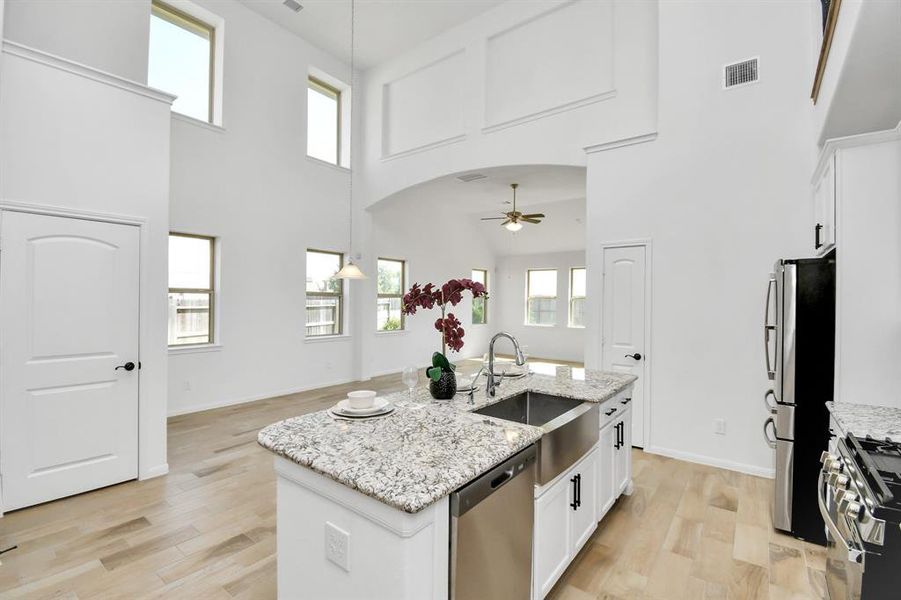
point(323, 121)
point(191, 293)
point(541, 304)
point(391, 285)
point(181, 60)
point(480, 305)
point(325, 293)
point(577, 297)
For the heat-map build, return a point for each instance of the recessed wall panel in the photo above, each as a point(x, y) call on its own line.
point(424, 108)
point(560, 59)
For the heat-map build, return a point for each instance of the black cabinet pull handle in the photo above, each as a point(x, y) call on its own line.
point(816, 236)
point(609, 412)
point(129, 366)
point(574, 504)
point(578, 490)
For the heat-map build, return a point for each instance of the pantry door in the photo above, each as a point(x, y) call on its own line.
point(68, 356)
point(626, 324)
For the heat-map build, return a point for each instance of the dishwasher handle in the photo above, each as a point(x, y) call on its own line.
point(474, 492)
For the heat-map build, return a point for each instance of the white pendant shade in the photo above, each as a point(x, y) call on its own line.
point(513, 226)
point(350, 271)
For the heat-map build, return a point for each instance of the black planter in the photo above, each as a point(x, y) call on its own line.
point(445, 387)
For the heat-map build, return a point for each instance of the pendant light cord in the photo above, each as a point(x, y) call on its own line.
point(350, 136)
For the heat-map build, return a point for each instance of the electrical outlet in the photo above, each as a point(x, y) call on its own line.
point(719, 426)
point(187, 386)
point(337, 546)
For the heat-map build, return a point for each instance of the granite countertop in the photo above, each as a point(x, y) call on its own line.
point(878, 422)
point(425, 449)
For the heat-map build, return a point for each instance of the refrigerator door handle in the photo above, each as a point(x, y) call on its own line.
point(768, 328)
point(772, 408)
point(770, 441)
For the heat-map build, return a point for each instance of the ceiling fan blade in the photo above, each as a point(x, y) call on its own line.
point(535, 216)
point(528, 220)
point(493, 218)
point(507, 221)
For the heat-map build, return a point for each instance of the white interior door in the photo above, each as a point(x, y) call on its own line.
point(68, 319)
point(624, 325)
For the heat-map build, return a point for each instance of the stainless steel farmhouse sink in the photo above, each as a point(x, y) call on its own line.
point(570, 427)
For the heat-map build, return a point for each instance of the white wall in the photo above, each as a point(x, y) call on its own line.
point(77, 140)
point(539, 81)
point(723, 192)
point(252, 186)
point(559, 342)
point(438, 245)
point(109, 36)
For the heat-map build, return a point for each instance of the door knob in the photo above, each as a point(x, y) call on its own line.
point(129, 366)
point(636, 356)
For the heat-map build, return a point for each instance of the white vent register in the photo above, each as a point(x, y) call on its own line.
point(740, 73)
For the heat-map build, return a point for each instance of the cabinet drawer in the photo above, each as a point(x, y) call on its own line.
point(610, 411)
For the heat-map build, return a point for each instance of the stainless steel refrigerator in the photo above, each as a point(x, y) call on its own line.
point(799, 336)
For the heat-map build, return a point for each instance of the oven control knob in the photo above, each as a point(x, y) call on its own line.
point(838, 481)
point(827, 456)
point(850, 508)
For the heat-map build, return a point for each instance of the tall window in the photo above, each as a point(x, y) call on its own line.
point(323, 121)
point(541, 302)
point(181, 57)
point(191, 293)
point(577, 297)
point(325, 293)
point(391, 284)
point(480, 305)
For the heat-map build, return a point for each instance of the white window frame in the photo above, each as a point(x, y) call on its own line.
point(569, 316)
point(484, 299)
point(342, 300)
point(215, 342)
point(555, 297)
point(403, 287)
point(196, 12)
point(345, 121)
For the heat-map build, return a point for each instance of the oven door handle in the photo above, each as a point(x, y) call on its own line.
point(767, 328)
point(854, 553)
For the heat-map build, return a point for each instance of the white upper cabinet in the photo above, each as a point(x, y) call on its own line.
point(824, 226)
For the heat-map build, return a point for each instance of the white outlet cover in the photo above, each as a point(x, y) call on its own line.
point(337, 545)
point(719, 426)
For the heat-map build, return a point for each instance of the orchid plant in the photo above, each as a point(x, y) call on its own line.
point(428, 297)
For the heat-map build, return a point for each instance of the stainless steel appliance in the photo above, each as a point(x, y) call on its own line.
point(859, 496)
point(799, 340)
point(491, 532)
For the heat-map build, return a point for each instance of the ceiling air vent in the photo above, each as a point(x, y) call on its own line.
point(293, 5)
point(740, 73)
point(471, 177)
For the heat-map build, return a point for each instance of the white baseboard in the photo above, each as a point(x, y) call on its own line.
point(156, 471)
point(713, 462)
point(253, 398)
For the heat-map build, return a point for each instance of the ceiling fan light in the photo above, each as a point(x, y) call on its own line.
point(513, 226)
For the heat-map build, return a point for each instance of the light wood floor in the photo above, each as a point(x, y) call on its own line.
point(206, 531)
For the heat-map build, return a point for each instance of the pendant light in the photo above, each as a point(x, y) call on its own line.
point(350, 270)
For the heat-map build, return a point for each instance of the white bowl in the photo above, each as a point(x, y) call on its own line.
point(361, 399)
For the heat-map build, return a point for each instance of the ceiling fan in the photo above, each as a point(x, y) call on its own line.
point(514, 219)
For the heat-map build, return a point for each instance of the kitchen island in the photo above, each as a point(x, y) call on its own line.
point(363, 506)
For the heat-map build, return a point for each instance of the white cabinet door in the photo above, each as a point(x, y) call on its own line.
point(623, 460)
point(824, 209)
point(69, 322)
point(552, 545)
point(584, 514)
point(605, 469)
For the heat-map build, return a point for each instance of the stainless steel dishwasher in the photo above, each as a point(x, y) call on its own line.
point(491, 532)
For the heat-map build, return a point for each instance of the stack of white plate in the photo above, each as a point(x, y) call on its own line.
point(380, 407)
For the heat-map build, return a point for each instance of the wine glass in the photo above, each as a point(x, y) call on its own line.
point(410, 379)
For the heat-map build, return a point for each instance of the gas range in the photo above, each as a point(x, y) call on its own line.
point(860, 501)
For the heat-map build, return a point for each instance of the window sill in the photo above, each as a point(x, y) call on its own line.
point(575, 327)
point(319, 339)
point(540, 326)
point(323, 163)
point(194, 349)
point(197, 122)
point(392, 332)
